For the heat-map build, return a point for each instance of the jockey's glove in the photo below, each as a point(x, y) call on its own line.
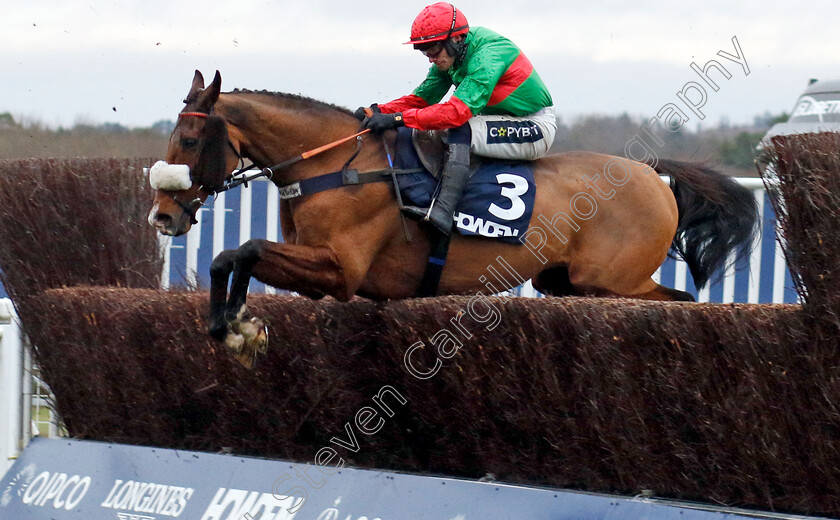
point(379, 122)
point(361, 112)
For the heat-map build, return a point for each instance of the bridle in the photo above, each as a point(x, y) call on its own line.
point(191, 208)
point(205, 115)
point(344, 177)
point(238, 177)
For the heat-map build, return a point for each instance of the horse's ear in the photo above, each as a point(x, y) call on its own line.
point(208, 97)
point(197, 85)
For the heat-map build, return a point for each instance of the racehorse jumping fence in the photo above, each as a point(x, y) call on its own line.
point(236, 216)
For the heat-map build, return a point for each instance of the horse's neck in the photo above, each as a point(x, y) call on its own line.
point(270, 134)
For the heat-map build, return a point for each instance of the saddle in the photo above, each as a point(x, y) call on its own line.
point(431, 149)
point(498, 200)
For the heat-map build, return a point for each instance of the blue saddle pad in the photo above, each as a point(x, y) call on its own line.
point(497, 202)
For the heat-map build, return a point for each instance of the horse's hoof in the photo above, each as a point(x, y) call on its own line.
point(256, 334)
point(218, 331)
point(262, 336)
point(245, 354)
point(246, 339)
point(234, 343)
point(238, 317)
point(247, 358)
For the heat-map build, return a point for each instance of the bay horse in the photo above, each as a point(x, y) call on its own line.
point(350, 241)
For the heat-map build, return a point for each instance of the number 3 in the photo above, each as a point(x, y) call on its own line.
point(517, 206)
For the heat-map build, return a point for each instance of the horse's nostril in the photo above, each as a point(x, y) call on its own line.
point(162, 220)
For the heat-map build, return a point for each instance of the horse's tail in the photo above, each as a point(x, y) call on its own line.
point(717, 216)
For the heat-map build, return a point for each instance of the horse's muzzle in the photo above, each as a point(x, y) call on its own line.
point(166, 224)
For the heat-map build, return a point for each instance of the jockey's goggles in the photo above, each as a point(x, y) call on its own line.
point(430, 50)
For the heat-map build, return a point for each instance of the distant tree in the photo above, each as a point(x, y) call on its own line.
point(113, 128)
point(740, 151)
point(598, 133)
point(163, 127)
point(766, 120)
point(781, 118)
point(83, 128)
point(7, 121)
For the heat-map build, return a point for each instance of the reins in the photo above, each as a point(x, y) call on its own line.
point(327, 181)
point(238, 177)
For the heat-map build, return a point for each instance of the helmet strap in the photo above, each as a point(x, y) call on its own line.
point(459, 49)
point(456, 49)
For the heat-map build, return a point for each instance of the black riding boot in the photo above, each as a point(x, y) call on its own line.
point(456, 171)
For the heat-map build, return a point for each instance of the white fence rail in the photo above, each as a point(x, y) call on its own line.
point(13, 414)
point(25, 407)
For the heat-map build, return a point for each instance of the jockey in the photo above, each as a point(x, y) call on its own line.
point(500, 108)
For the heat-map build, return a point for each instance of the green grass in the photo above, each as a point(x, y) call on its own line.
point(41, 416)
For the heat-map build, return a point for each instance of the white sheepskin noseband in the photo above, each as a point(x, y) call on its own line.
point(170, 177)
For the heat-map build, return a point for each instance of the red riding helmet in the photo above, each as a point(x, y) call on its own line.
point(438, 22)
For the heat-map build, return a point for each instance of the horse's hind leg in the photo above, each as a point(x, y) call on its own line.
point(660, 292)
point(220, 271)
point(555, 281)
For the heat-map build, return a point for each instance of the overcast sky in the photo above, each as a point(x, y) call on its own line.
point(131, 62)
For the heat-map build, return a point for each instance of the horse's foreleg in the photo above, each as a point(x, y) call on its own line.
point(220, 271)
point(245, 258)
point(308, 270)
point(244, 336)
point(313, 271)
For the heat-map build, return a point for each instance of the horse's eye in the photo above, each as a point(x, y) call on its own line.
point(188, 142)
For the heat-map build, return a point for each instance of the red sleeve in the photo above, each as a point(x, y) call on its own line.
point(441, 116)
point(402, 104)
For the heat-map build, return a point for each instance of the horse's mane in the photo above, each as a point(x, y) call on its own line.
point(295, 98)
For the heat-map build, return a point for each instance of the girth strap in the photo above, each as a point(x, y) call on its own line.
point(339, 179)
point(434, 265)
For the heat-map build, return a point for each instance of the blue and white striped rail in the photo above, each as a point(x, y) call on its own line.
point(253, 212)
point(763, 278)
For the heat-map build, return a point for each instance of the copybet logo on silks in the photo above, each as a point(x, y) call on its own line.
point(513, 132)
point(808, 106)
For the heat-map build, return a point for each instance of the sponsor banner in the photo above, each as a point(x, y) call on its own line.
point(822, 108)
point(84, 480)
